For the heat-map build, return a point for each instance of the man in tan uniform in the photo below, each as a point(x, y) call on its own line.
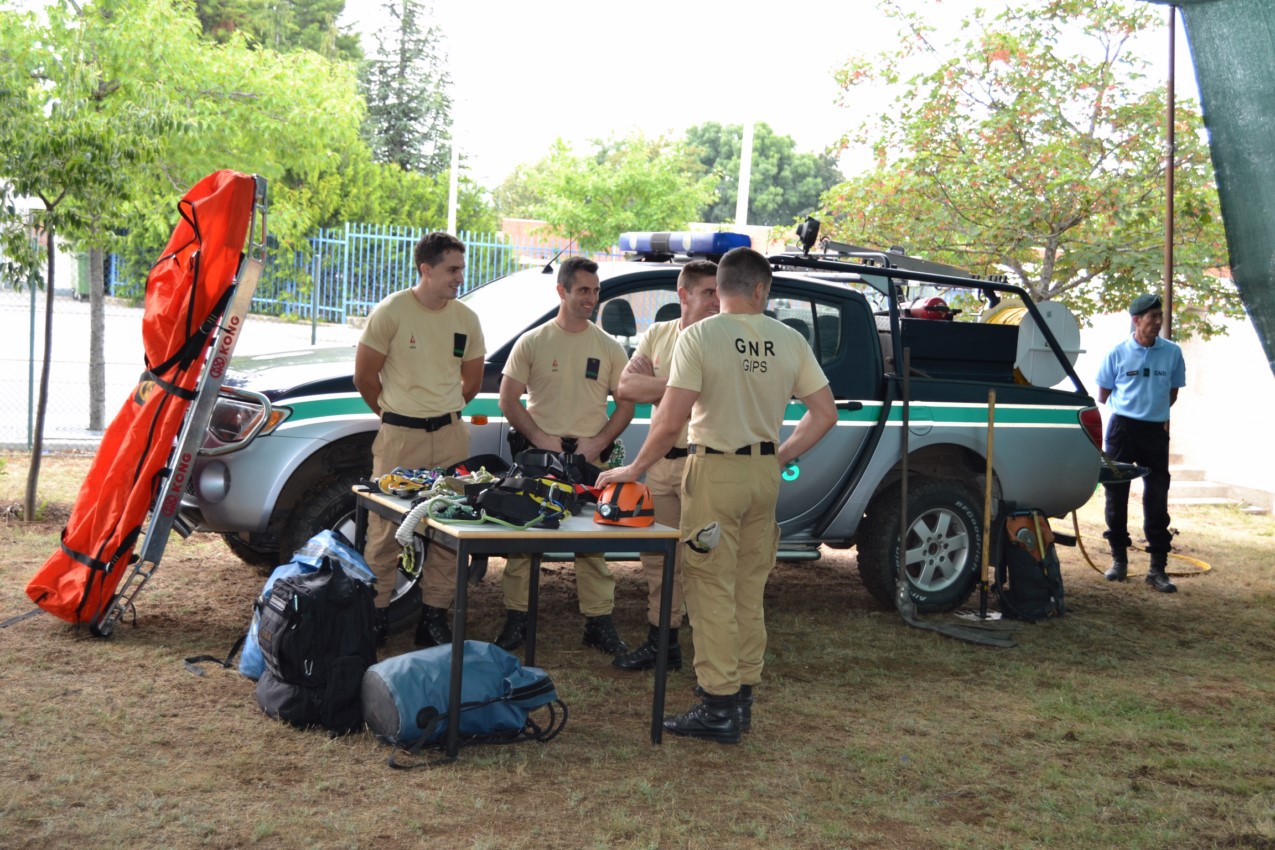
point(567, 367)
point(644, 381)
point(733, 375)
point(418, 363)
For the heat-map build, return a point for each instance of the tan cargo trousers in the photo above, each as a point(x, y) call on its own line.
point(413, 448)
point(595, 583)
point(664, 480)
point(725, 587)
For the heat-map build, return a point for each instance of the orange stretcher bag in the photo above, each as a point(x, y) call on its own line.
point(186, 293)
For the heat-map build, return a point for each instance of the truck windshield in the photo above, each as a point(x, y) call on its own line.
point(509, 305)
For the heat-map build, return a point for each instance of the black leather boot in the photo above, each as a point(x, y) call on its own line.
point(1119, 569)
point(643, 658)
point(600, 633)
point(716, 719)
point(1157, 577)
point(433, 629)
point(514, 633)
point(743, 705)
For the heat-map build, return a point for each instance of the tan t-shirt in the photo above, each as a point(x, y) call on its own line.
point(657, 344)
point(568, 377)
point(745, 368)
point(423, 351)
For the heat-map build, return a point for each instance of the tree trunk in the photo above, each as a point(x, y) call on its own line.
point(42, 402)
point(97, 342)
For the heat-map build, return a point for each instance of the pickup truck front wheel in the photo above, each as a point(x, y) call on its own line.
point(330, 504)
point(943, 550)
point(265, 562)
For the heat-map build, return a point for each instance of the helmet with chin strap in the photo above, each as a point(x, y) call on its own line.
point(625, 503)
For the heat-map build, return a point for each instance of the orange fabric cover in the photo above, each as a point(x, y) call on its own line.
point(185, 286)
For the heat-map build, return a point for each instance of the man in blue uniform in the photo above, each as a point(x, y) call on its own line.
point(1139, 381)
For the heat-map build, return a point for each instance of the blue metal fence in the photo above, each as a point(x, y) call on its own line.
point(348, 269)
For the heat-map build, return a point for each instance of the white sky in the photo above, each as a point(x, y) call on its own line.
point(525, 73)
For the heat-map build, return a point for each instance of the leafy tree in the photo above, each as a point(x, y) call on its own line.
point(72, 128)
point(1035, 145)
point(784, 185)
point(406, 85)
point(633, 183)
point(108, 124)
point(388, 195)
point(240, 109)
point(281, 25)
point(517, 196)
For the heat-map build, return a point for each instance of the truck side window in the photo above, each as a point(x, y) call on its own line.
point(626, 317)
point(827, 332)
point(616, 318)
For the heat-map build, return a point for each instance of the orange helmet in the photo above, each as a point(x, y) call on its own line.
point(625, 503)
point(930, 308)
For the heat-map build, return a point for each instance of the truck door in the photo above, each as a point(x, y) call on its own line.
point(841, 331)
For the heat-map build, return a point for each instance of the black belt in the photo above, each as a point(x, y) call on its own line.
point(676, 454)
point(1146, 422)
point(766, 448)
point(432, 423)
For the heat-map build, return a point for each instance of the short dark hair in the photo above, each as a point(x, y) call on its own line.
point(571, 265)
point(740, 270)
point(430, 250)
point(694, 270)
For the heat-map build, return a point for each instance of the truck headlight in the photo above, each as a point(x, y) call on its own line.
point(237, 418)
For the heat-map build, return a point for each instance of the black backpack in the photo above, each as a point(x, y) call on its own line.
point(1028, 575)
point(317, 637)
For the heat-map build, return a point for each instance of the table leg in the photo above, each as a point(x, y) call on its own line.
point(533, 608)
point(661, 655)
point(454, 690)
point(360, 525)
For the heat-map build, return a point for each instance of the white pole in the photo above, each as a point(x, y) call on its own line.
point(745, 170)
point(452, 187)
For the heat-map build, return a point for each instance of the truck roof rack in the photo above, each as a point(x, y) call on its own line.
point(891, 258)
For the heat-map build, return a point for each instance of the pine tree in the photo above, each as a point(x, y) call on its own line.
point(406, 86)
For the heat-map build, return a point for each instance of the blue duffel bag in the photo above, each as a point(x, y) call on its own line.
point(405, 698)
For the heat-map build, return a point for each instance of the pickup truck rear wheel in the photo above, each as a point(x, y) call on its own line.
point(330, 504)
point(944, 544)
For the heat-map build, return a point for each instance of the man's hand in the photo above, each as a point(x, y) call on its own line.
point(592, 447)
point(618, 475)
point(640, 364)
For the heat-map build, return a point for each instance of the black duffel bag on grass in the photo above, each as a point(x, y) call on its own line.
point(317, 637)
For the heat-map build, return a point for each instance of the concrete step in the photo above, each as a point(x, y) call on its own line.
point(1202, 500)
point(1186, 473)
point(1198, 489)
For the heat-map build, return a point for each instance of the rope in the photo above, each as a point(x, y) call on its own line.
point(1201, 566)
point(437, 495)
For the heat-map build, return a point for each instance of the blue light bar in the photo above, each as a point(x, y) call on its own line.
point(683, 242)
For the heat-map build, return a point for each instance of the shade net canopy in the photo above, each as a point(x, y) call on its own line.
point(1233, 48)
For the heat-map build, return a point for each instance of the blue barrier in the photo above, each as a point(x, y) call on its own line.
point(347, 270)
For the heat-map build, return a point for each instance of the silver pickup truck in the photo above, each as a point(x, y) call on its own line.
point(290, 434)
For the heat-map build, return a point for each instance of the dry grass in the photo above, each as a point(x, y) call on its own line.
point(1139, 720)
